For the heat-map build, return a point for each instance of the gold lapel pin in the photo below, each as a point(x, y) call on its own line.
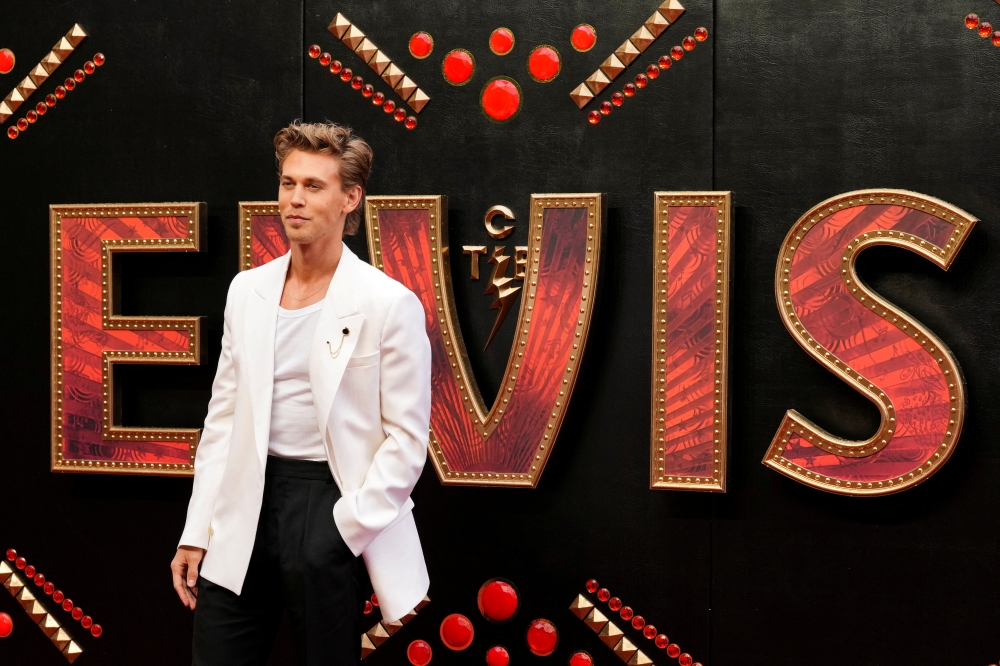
point(334, 353)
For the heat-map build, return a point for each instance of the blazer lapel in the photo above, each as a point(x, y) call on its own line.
point(336, 336)
point(261, 319)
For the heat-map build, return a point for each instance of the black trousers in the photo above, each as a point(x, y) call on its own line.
point(299, 563)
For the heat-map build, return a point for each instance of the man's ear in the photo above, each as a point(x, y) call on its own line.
point(353, 199)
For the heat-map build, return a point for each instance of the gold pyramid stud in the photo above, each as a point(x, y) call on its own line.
point(61, 639)
point(409, 616)
point(50, 62)
point(49, 625)
point(625, 649)
point(392, 75)
point(671, 10)
point(426, 600)
point(392, 627)
point(25, 597)
point(640, 659)
point(378, 634)
point(14, 584)
point(417, 102)
point(405, 87)
point(366, 49)
point(595, 620)
point(13, 100)
point(63, 48)
point(597, 82)
point(610, 635)
point(36, 611)
point(379, 62)
point(26, 87)
point(352, 37)
point(656, 24)
point(367, 647)
point(581, 95)
point(339, 25)
point(38, 74)
point(76, 35)
point(72, 652)
point(612, 67)
point(627, 52)
point(642, 38)
point(581, 605)
point(5, 570)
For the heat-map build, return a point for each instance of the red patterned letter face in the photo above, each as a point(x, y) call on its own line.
point(690, 317)
point(889, 357)
point(89, 337)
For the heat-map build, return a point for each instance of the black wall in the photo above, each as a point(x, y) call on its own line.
point(787, 103)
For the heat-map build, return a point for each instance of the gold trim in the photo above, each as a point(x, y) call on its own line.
point(662, 201)
point(247, 210)
point(196, 214)
point(793, 421)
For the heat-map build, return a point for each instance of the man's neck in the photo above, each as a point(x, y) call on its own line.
point(317, 260)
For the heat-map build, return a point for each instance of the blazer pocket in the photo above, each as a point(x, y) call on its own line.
point(363, 361)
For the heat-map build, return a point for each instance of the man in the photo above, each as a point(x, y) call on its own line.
point(316, 432)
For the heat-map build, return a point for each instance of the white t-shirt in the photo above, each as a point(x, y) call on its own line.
point(294, 431)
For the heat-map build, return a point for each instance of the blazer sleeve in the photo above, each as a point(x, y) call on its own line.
point(213, 449)
point(405, 392)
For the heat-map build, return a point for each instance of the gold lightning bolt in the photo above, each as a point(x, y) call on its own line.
point(500, 285)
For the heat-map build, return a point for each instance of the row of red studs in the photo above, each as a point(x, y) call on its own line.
point(57, 595)
point(639, 623)
point(652, 71)
point(42, 108)
point(367, 90)
point(984, 28)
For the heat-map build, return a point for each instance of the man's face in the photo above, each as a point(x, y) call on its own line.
point(311, 197)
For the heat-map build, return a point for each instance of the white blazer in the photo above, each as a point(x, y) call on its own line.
point(373, 404)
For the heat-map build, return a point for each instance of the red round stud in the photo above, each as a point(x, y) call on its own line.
point(67, 605)
point(676, 53)
point(96, 631)
point(357, 82)
point(457, 632)
point(50, 100)
point(79, 75)
point(971, 21)
point(652, 71)
point(673, 650)
point(325, 58)
point(688, 43)
point(89, 67)
point(6, 625)
point(458, 67)
point(497, 656)
point(615, 604)
point(20, 562)
point(378, 98)
point(544, 63)
point(638, 622)
point(11, 554)
point(70, 83)
point(22, 125)
point(421, 45)
point(389, 106)
point(49, 589)
point(400, 115)
point(629, 89)
point(996, 38)
point(375, 598)
point(581, 658)
point(603, 594)
point(617, 99)
point(29, 570)
point(502, 41)
point(60, 92)
point(542, 637)
point(592, 585)
point(419, 653)
point(627, 613)
point(368, 608)
point(99, 59)
point(594, 117)
point(411, 122)
point(6, 61)
point(606, 108)
point(336, 66)
point(701, 34)
point(641, 80)
point(77, 613)
point(12, 132)
point(86, 621)
point(367, 90)
point(985, 29)
point(39, 578)
point(41, 109)
point(685, 660)
point(58, 596)
point(649, 631)
point(346, 74)
point(498, 600)
point(662, 641)
point(500, 99)
point(664, 62)
point(314, 51)
point(583, 37)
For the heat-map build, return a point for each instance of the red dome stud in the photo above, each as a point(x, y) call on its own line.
point(664, 62)
point(676, 53)
point(346, 74)
point(649, 631)
point(544, 63)
point(419, 653)
point(96, 631)
point(49, 589)
point(7, 61)
point(583, 38)
point(31, 117)
point(367, 90)
point(86, 621)
point(615, 604)
point(67, 605)
point(12, 132)
point(457, 632)
point(701, 34)
point(22, 125)
point(594, 117)
point(673, 650)
point(375, 598)
point(652, 71)
point(41, 109)
point(626, 613)
point(500, 99)
point(603, 594)
point(60, 92)
point(39, 578)
point(11, 554)
point(542, 637)
point(314, 51)
point(411, 122)
point(592, 584)
point(378, 98)
point(662, 641)
point(498, 600)
point(79, 75)
point(502, 41)
point(688, 43)
point(29, 570)
point(458, 67)
point(421, 45)
point(985, 29)
point(20, 563)
point(685, 660)
point(617, 99)
point(497, 656)
point(641, 80)
point(629, 89)
point(581, 658)
point(89, 67)
point(58, 596)
point(368, 608)
point(50, 100)
point(325, 59)
point(389, 106)
point(971, 21)
point(77, 613)
point(99, 59)
point(70, 83)
point(6, 625)
point(400, 115)
point(606, 108)
point(336, 66)
point(357, 82)
point(996, 38)
point(638, 622)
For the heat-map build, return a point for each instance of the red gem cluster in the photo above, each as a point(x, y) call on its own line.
point(57, 595)
point(367, 90)
point(984, 28)
point(643, 78)
point(638, 623)
point(31, 117)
